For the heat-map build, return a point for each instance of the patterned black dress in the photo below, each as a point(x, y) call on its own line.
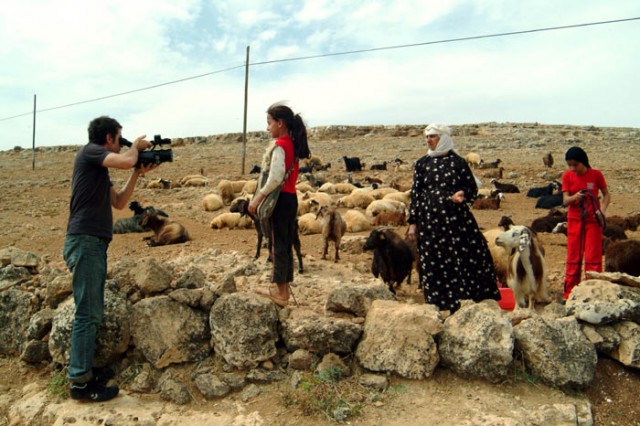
point(454, 261)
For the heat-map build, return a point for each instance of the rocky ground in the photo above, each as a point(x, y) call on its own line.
point(34, 211)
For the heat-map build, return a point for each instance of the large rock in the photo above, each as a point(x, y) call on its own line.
point(57, 290)
point(113, 334)
point(244, 329)
point(356, 300)
point(478, 340)
point(399, 338)
point(11, 276)
point(151, 276)
point(16, 309)
point(628, 352)
point(168, 332)
point(602, 302)
point(556, 351)
point(19, 258)
point(321, 335)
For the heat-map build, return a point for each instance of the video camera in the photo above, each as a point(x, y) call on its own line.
point(153, 155)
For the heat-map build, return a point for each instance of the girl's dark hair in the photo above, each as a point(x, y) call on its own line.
point(102, 126)
point(296, 126)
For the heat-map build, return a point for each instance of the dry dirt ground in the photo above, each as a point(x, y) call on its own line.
point(34, 211)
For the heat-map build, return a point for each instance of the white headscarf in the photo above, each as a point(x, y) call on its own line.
point(445, 144)
point(446, 141)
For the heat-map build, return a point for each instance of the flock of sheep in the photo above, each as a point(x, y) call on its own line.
point(376, 199)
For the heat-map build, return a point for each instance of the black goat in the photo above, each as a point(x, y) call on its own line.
point(392, 257)
point(381, 166)
point(507, 188)
point(352, 164)
point(491, 164)
point(549, 201)
point(550, 189)
point(241, 205)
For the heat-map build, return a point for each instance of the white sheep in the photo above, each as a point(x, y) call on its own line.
point(308, 224)
point(378, 206)
point(238, 185)
point(231, 221)
point(379, 193)
point(159, 184)
point(355, 199)
point(403, 197)
point(186, 178)
point(225, 189)
point(344, 187)
point(304, 187)
point(473, 159)
point(328, 188)
point(310, 201)
point(212, 202)
point(249, 187)
point(356, 221)
point(196, 181)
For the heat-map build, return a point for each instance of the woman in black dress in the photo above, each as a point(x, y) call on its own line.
point(454, 261)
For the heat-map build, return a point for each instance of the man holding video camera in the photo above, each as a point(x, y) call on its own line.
point(89, 232)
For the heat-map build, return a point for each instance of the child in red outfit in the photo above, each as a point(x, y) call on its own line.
point(580, 187)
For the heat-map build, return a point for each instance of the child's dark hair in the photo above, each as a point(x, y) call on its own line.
point(296, 126)
point(102, 126)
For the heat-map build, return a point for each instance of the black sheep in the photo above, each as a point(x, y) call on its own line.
point(550, 189)
point(352, 164)
point(381, 166)
point(392, 257)
point(549, 201)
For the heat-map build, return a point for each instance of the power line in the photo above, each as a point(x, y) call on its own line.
point(325, 55)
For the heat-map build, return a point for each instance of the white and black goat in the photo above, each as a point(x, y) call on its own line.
point(527, 270)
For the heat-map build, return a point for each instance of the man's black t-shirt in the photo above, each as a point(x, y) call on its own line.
point(90, 206)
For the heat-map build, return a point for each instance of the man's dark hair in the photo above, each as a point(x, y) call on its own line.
point(102, 126)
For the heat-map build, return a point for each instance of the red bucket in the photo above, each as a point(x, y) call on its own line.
point(507, 301)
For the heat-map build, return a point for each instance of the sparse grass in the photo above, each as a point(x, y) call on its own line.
point(131, 372)
point(327, 393)
point(59, 384)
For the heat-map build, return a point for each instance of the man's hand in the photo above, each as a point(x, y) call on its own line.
point(141, 143)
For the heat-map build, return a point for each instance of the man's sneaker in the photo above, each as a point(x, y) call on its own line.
point(93, 392)
point(102, 375)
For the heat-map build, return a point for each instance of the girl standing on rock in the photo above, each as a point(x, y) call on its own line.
point(280, 163)
point(585, 216)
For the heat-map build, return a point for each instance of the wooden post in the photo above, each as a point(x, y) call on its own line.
point(33, 142)
point(246, 97)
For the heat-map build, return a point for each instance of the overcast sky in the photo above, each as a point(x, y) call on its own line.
point(72, 51)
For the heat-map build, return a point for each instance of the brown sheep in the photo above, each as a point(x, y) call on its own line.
point(547, 159)
point(165, 231)
point(385, 218)
point(629, 223)
point(333, 228)
point(623, 256)
point(486, 204)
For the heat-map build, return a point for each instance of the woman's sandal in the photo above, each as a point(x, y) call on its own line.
point(278, 301)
